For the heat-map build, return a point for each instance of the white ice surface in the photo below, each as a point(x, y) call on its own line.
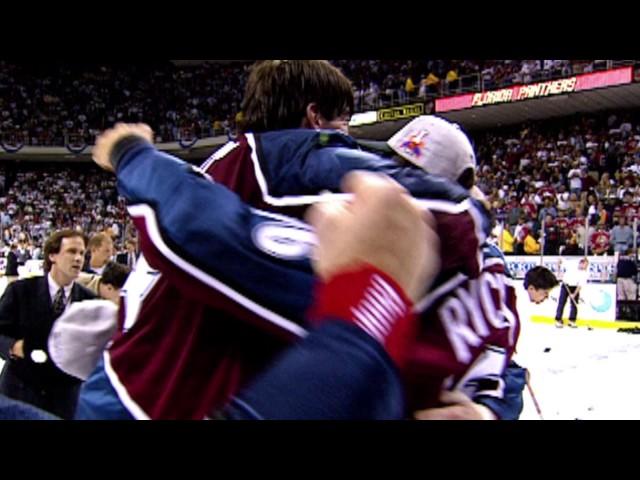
point(579, 373)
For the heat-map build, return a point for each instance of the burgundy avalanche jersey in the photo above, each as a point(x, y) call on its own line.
point(199, 322)
point(482, 332)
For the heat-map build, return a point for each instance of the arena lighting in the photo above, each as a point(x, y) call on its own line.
point(364, 118)
point(550, 88)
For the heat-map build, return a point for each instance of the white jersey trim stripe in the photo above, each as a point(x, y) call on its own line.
point(493, 261)
point(280, 201)
point(129, 403)
point(149, 217)
point(442, 290)
point(248, 408)
point(218, 154)
point(445, 205)
point(290, 200)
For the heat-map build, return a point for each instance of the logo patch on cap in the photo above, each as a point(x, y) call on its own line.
point(415, 143)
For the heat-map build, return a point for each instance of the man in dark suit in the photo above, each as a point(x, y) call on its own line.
point(11, 270)
point(28, 309)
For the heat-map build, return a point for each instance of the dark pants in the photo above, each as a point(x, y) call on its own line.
point(58, 400)
point(564, 295)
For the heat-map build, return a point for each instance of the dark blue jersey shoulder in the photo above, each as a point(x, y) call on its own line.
point(307, 161)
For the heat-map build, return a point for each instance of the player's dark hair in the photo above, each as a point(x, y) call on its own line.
point(278, 93)
point(540, 278)
point(114, 274)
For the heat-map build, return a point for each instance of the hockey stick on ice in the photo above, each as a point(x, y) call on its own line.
point(533, 397)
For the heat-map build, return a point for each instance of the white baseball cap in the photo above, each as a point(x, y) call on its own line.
point(435, 145)
point(80, 335)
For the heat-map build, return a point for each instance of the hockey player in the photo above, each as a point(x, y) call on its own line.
point(280, 171)
point(165, 170)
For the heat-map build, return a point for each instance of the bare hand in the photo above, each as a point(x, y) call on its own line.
point(17, 349)
point(381, 226)
point(105, 142)
point(459, 407)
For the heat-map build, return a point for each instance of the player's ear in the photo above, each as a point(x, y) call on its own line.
point(312, 117)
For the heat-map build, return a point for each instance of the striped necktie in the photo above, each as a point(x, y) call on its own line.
point(59, 303)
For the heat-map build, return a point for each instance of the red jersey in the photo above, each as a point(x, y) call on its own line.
point(599, 241)
point(530, 209)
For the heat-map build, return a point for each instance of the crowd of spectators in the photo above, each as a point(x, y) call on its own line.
point(557, 184)
point(552, 184)
point(544, 180)
point(378, 83)
point(68, 104)
point(37, 200)
point(71, 103)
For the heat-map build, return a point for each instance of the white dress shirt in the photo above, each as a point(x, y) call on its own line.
point(54, 287)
